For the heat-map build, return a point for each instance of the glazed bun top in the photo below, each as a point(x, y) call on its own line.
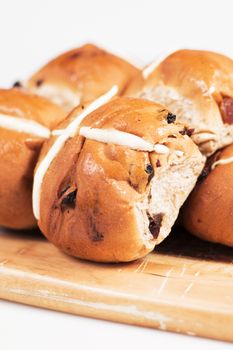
point(198, 86)
point(18, 103)
point(81, 75)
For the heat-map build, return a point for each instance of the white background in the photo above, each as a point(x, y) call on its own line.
point(32, 32)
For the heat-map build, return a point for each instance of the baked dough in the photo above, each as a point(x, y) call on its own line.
point(198, 87)
point(25, 123)
point(81, 75)
point(208, 212)
point(114, 201)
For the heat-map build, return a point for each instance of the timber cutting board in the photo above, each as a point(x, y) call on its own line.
point(184, 286)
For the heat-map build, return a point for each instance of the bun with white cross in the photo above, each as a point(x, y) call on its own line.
point(198, 87)
point(208, 211)
point(111, 180)
point(25, 123)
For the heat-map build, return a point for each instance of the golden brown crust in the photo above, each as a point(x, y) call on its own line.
point(23, 104)
point(90, 193)
point(192, 84)
point(19, 153)
point(208, 212)
point(81, 75)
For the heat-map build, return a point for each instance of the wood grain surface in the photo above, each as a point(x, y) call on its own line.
point(185, 286)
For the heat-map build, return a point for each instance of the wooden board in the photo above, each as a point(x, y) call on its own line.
point(185, 286)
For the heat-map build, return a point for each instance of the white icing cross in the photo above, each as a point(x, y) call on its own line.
point(102, 135)
point(24, 125)
point(122, 138)
point(222, 162)
point(70, 131)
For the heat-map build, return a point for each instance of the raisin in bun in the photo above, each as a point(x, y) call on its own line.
point(25, 122)
point(81, 75)
point(198, 87)
point(112, 191)
point(208, 212)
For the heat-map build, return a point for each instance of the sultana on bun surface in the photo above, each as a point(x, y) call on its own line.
point(198, 87)
point(106, 202)
point(81, 75)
